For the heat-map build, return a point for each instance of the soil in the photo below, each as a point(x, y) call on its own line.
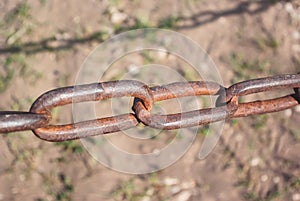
point(43, 45)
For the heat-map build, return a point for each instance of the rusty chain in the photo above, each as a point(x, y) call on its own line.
point(227, 106)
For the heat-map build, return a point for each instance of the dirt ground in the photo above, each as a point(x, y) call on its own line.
point(43, 45)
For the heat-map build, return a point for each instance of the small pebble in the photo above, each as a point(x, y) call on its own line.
point(255, 161)
point(150, 191)
point(169, 181)
point(289, 7)
point(117, 17)
point(62, 36)
point(296, 48)
point(288, 113)
point(133, 69)
point(146, 198)
point(222, 20)
point(162, 54)
point(184, 196)
point(187, 185)
point(175, 189)
point(296, 35)
point(156, 152)
point(296, 197)
point(276, 180)
point(264, 178)
point(297, 108)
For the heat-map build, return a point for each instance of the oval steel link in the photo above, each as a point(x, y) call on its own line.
point(265, 106)
point(185, 119)
point(58, 133)
point(19, 121)
point(90, 92)
point(262, 85)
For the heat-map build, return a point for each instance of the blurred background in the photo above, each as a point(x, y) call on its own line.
point(43, 44)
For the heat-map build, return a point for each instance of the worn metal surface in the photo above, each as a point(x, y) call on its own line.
point(227, 106)
point(185, 119)
point(89, 92)
point(18, 121)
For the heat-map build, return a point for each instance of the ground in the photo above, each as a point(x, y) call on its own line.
point(43, 45)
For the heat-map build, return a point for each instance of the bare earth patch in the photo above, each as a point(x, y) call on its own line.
point(43, 45)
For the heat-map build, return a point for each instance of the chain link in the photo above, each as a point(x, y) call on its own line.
point(227, 106)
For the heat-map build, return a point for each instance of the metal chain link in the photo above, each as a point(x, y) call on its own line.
point(227, 106)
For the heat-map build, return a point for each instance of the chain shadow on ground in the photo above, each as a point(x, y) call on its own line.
point(202, 18)
point(198, 19)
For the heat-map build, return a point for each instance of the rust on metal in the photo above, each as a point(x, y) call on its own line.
point(182, 120)
point(227, 106)
point(184, 89)
point(185, 119)
point(20, 121)
point(265, 106)
point(289, 81)
point(89, 92)
point(92, 92)
point(263, 84)
point(57, 133)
